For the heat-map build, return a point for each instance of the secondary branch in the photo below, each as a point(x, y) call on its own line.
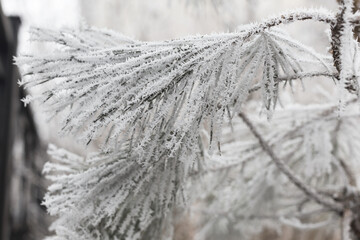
point(311, 193)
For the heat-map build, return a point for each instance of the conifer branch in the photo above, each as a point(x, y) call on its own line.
point(152, 100)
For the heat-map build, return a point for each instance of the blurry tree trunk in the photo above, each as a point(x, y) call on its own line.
point(21, 184)
point(355, 224)
point(336, 33)
point(8, 98)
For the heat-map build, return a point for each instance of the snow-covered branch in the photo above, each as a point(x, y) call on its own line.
point(160, 112)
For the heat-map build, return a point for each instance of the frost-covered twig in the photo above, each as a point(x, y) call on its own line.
point(320, 15)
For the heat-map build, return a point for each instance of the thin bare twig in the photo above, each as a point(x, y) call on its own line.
point(311, 193)
point(299, 214)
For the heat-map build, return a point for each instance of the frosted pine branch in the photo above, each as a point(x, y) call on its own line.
point(161, 111)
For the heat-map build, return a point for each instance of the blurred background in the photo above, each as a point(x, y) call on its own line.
point(25, 132)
